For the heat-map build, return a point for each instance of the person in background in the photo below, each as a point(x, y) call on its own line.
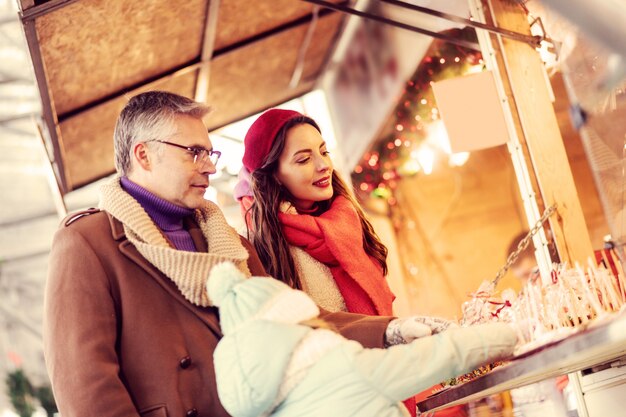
point(128, 328)
point(276, 359)
point(525, 268)
point(306, 226)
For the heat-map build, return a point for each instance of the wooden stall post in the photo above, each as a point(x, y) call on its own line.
point(522, 66)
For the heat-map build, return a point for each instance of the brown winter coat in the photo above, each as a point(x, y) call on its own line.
point(119, 338)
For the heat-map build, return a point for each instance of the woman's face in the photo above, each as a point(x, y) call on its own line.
point(304, 166)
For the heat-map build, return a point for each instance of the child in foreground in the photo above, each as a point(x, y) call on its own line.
point(275, 360)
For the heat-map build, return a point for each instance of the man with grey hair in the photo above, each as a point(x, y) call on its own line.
point(128, 329)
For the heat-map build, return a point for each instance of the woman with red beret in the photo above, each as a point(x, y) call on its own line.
point(308, 230)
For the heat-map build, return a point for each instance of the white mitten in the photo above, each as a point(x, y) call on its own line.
point(405, 330)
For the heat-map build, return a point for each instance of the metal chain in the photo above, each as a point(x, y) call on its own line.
point(523, 244)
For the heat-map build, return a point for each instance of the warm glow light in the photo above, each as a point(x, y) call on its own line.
point(426, 159)
point(232, 152)
point(458, 159)
point(438, 136)
point(410, 167)
point(474, 69)
point(548, 57)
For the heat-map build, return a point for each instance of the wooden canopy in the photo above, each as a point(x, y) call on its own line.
point(238, 56)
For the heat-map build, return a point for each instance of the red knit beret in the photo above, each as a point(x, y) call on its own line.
point(262, 134)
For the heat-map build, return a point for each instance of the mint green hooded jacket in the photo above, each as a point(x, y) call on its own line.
point(265, 368)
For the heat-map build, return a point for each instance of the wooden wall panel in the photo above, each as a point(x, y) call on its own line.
point(251, 78)
point(94, 48)
point(87, 138)
point(454, 229)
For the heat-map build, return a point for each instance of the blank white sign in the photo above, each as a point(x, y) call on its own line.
point(471, 112)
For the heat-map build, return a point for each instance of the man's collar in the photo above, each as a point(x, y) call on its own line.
point(117, 228)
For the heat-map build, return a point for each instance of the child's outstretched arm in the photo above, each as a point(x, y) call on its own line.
point(404, 370)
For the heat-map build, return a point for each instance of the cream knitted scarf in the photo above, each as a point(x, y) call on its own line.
point(188, 270)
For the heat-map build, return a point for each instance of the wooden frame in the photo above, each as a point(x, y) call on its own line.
point(204, 72)
point(66, 101)
point(540, 133)
point(50, 133)
point(30, 11)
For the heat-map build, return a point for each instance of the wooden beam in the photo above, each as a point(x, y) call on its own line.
point(210, 31)
point(49, 115)
point(32, 12)
point(53, 182)
point(525, 72)
point(25, 4)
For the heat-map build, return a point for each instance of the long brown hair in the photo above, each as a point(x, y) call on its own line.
point(265, 230)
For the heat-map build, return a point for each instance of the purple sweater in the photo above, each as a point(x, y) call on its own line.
point(167, 216)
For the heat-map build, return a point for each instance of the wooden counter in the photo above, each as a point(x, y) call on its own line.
point(595, 345)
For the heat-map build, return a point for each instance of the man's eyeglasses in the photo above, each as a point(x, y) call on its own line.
point(200, 155)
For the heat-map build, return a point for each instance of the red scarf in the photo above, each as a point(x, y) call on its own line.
point(335, 239)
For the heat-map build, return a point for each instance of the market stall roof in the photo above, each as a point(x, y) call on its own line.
point(239, 56)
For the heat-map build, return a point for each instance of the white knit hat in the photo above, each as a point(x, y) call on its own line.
point(240, 299)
